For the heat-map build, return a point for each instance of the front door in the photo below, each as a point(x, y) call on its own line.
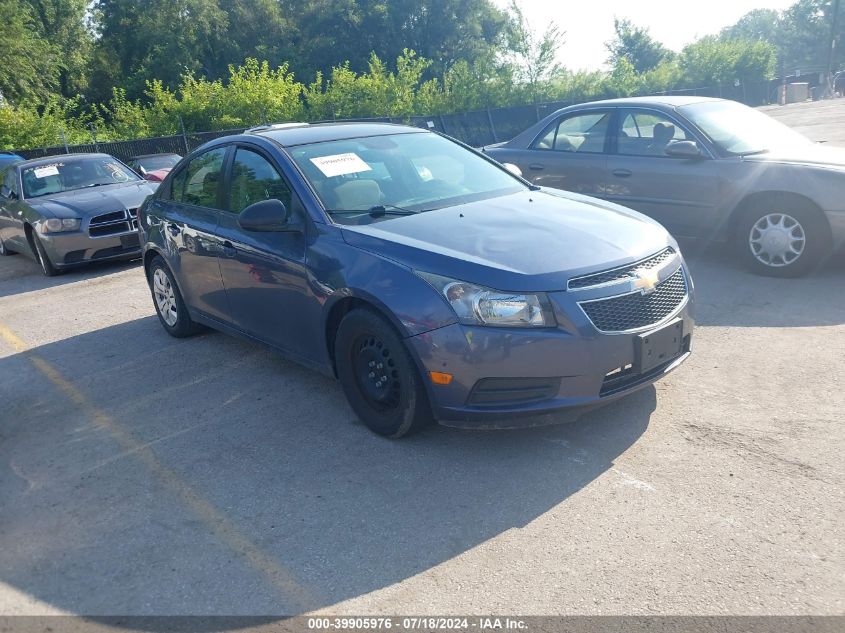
point(681, 193)
point(190, 223)
point(264, 272)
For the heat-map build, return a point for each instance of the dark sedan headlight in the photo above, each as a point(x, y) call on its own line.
point(60, 225)
point(476, 305)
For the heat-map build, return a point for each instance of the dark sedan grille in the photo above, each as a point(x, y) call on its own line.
point(113, 223)
point(636, 310)
point(625, 272)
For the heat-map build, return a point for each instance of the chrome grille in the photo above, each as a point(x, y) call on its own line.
point(113, 223)
point(618, 274)
point(637, 310)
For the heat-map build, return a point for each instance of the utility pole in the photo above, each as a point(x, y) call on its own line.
point(834, 23)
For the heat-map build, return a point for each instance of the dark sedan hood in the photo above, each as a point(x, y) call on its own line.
point(84, 203)
point(812, 154)
point(534, 240)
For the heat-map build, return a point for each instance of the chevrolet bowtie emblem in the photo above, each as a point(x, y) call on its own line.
point(646, 280)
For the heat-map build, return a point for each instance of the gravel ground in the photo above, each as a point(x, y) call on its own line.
point(140, 474)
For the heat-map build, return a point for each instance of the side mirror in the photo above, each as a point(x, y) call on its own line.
point(266, 216)
point(7, 193)
point(516, 171)
point(684, 149)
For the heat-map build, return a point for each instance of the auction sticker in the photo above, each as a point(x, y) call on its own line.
point(47, 170)
point(340, 164)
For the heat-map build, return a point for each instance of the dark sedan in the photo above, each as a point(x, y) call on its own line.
point(704, 168)
point(67, 210)
point(429, 279)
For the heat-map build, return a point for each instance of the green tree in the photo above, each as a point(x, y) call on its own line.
point(31, 64)
point(533, 55)
point(714, 61)
point(63, 24)
point(637, 46)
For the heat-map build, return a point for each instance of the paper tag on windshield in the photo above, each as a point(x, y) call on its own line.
point(340, 164)
point(43, 172)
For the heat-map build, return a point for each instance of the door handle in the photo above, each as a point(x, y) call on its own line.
point(174, 229)
point(536, 167)
point(228, 249)
point(621, 173)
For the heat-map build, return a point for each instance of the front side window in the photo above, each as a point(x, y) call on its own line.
point(582, 133)
point(10, 182)
point(254, 179)
point(646, 133)
point(369, 179)
point(198, 183)
point(62, 175)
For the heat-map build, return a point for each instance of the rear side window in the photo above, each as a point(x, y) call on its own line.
point(198, 183)
point(255, 179)
point(578, 133)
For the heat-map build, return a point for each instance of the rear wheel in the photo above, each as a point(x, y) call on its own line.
point(379, 377)
point(43, 258)
point(782, 239)
point(168, 302)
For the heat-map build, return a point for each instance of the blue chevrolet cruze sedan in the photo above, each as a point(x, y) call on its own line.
point(432, 281)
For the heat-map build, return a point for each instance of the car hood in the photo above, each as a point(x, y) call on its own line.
point(528, 241)
point(812, 154)
point(86, 203)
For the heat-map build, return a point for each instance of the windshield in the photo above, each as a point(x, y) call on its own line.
point(738, 129)
point(152, 163)
point(59, 176)
point(362, 180)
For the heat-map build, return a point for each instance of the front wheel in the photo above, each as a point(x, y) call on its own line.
point(3, 250)
point(379, 377)
point(782, 242)
point(43, 258)
point(169, 305)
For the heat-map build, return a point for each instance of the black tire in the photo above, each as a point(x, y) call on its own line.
point(395, 407)
point(42, 257)
point(181, 326)
point(817, 240)
point(5, 252)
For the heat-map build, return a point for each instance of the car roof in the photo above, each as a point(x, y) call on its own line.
point(673, 101)
point(46, 160)
point(336, 131)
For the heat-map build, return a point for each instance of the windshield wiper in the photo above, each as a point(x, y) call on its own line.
point(97, 184)
point(377, 211)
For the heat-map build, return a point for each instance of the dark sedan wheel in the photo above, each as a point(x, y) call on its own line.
point(43, 258)
point(169, 305)
point(378, 376)
point(779, 241)
point(4, 251)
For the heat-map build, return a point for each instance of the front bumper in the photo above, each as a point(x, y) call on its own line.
point(74, 248)
point(513, 377)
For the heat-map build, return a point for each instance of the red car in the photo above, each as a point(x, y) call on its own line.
point(154, 167)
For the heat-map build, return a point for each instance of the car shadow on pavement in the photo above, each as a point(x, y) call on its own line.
point(729, 295)
point(19, 274)
point(144, 475)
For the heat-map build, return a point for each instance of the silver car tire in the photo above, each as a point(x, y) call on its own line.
point(168, 303)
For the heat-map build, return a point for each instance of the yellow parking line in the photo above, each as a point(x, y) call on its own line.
point(297, 595)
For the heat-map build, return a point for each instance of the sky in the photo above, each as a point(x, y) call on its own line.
point(674, 23)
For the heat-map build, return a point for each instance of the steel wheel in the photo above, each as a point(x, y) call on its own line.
point(165, 297)
point(376, 373)
point(777, 240)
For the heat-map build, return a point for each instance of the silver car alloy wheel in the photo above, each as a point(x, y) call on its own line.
point(2, 248)
point(777, 239)
point(165, 297)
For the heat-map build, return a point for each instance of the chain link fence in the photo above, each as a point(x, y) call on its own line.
point(477, 128)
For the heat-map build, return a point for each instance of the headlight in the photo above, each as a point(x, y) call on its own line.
point(56, 225)
point(476, 305)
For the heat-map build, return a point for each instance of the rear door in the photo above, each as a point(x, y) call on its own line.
point(682, 194)
point(189, 214)
point(264, 272)
point(571, 153)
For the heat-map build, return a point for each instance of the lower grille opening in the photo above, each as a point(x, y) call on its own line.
point(513, 391)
